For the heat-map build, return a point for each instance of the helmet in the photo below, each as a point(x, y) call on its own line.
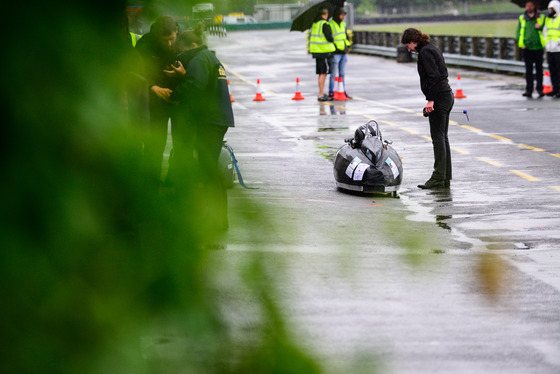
point(361, 133)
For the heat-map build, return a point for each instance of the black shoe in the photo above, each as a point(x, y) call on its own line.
point(551, 94)
point(323, 98)
point(528, 94)
point(348, 96)
point(557, 96)
point(432, 183)
point(540, 94)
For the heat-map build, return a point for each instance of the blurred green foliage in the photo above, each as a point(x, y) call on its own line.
point(94, 267)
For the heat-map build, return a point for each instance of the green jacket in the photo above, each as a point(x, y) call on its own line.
point(527, 35)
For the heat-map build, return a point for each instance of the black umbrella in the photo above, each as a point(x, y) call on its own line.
point(309, 13)
point(540, 5)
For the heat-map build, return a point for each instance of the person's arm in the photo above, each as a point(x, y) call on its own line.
point(538, 24)
point(162, 93)
point(327, 30)
point(196, 78)
point(432, 77)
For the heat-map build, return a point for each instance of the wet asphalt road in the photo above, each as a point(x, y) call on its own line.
point(455, 281)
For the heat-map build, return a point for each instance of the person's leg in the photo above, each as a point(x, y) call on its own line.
point(556, 79)
point(182, 170)
point(333, 65)
point(552, 65)
point(155, 142)
point(439, 124)
point(538, 58)
point(342, 70)
point(437, 132)
point(321, 80)
point(322, 71)
point(209, 145)
point(448, 166)
point(528, 58)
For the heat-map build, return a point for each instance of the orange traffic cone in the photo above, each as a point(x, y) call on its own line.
point(547, 83)
point(258, 96)
point(338, 94)
point(459, 93)
point(230, 97)
point(298, 95)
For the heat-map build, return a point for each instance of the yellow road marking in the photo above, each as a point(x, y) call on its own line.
point(470, 128)
point(409, 130)
point(499, 137)
point(488, 161)
point(453, 122)
point(461, 151)
point(530, 147)
point(555, 154)
point(240, 76)
point(427, 138)
point(554, 188)
point(526, 176)
point(389, 123)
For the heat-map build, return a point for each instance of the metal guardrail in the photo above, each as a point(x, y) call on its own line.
point(494, 54)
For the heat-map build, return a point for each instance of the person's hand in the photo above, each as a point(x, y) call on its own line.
point(162, 93)
point(176, 71)
point(430, 107)
point(537, 26)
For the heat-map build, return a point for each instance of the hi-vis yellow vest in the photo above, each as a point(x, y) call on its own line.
point(522, 23)
point(552, 29)
point(134, 38)
point(318, 43)
point(339, 35)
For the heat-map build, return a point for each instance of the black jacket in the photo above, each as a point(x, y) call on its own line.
point(203, 93)
point(432, 71)
point(156, 59)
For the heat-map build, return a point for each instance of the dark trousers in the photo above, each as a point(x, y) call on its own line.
point(439, 126)
point(533, 58)
point(553, 59)
point(209, 142)
point(197, 178)
point(156, 139)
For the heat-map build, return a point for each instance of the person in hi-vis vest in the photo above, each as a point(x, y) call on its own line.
point(531, 42)
point(551, 35)
point(339, 58)
point(321, 45)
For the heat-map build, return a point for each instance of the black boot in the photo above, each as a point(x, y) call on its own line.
point(432, 183)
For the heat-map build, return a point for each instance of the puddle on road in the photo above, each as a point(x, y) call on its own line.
point(509, 87)
point(423, 213)
point(527, 109)
point(331, 109)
